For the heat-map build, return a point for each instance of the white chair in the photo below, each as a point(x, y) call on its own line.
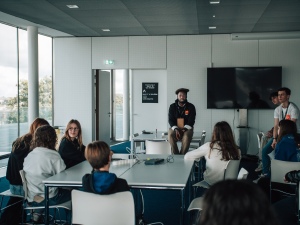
point(230, 172)
point(113, 209)
point(278, 170)
point(8, 193)
point(158, 147)
point(65, 205)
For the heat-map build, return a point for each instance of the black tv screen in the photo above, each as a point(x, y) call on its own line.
point(242, 87)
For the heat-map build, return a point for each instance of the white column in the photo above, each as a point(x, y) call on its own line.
point(125, 105)
point(33, 74)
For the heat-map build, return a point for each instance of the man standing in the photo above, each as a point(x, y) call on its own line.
point(285, 111)
point(182, 116)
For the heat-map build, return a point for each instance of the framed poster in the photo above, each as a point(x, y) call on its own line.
point(150, 92)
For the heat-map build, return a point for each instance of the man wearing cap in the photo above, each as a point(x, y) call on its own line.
point(182, 116)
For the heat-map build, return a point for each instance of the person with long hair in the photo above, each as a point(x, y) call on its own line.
point(42, 162)
point(236, 202)
point(20, 149)
point(286, 148)
point(101, 181)
point(217, 152)
point(71, 147)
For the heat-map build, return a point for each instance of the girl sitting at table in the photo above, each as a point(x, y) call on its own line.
point(101, 181)
point(20, 149)
point(42, 162)
point(71, 147)
point(217, 152)
point(286, 148)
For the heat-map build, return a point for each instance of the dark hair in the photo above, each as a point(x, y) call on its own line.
point(223, 136)
point(287, 127)
point(286, 90)
point(79, 137)
point(44, 136)
point(97, 154)
point(236, 202)
point(273, 94)
point(27, 138)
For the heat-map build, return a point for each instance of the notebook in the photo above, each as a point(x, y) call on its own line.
point(153, 161)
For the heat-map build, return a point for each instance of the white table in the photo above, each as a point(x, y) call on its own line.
point(164, 176)
point(160, 136)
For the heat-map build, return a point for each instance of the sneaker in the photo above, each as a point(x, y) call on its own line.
point(259, 168)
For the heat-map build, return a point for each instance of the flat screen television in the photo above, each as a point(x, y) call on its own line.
point(242, 87)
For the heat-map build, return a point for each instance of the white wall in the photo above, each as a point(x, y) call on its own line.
point(149, 116)
point(187, 59)
point(72, 83)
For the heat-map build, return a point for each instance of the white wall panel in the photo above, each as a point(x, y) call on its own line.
point(228, 53)
point(72, 83)
point(187, 60)
point(149, 116)
point(110, 48)
point(147, 52)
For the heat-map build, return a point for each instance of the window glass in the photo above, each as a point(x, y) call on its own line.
point(8, 87)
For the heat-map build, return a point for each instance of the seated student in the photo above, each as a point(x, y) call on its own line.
point(286, 148)
point(236, 202)
point(286, 209)
point(20, 149)
point(44, 161)
point(217, 152)
point(101, 181)
point(71, 147)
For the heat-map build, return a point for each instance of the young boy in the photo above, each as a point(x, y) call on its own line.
point(101, 181)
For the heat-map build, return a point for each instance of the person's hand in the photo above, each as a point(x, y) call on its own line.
point(178, 135)
point(184, 129)
point(274, 143)
point(285, 181)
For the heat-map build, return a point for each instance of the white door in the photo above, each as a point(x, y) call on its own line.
point(104, 106)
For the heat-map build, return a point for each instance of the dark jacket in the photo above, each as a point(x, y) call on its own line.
point(286, 149)
point(293, 176)
point(71, 152)
point(188, 112)
point(103, 182)
point(16, 160)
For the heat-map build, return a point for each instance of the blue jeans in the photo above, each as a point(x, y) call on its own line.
point(16, 189)
point(265, 158)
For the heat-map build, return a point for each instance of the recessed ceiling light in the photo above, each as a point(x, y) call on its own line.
point(73, 6)
point(214, 2)
point(105, 30)
point(211, 28)
point(214, 16)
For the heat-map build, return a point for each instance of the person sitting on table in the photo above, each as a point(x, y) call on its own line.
point(71, 147)
point(236, 202)
point(42, 162)
point(20, 149)
point(182, 115)
point(287, 148)
point(101, 181)
point(217, 152)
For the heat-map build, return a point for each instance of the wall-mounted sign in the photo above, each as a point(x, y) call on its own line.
point(149, 92)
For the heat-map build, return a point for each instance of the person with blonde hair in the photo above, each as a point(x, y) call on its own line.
point(217, 153)
point(71, 147)
point(20, 149)
point(101, 181)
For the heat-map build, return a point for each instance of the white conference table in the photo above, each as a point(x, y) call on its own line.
point(166, 176)
point(159, 136)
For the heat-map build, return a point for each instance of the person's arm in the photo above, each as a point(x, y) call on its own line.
point(69, 151)
point(172, 117)
point(198, 153)
point(293, 176)
point(275, 132)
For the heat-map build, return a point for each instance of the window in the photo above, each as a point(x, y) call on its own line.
point(14, 83)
